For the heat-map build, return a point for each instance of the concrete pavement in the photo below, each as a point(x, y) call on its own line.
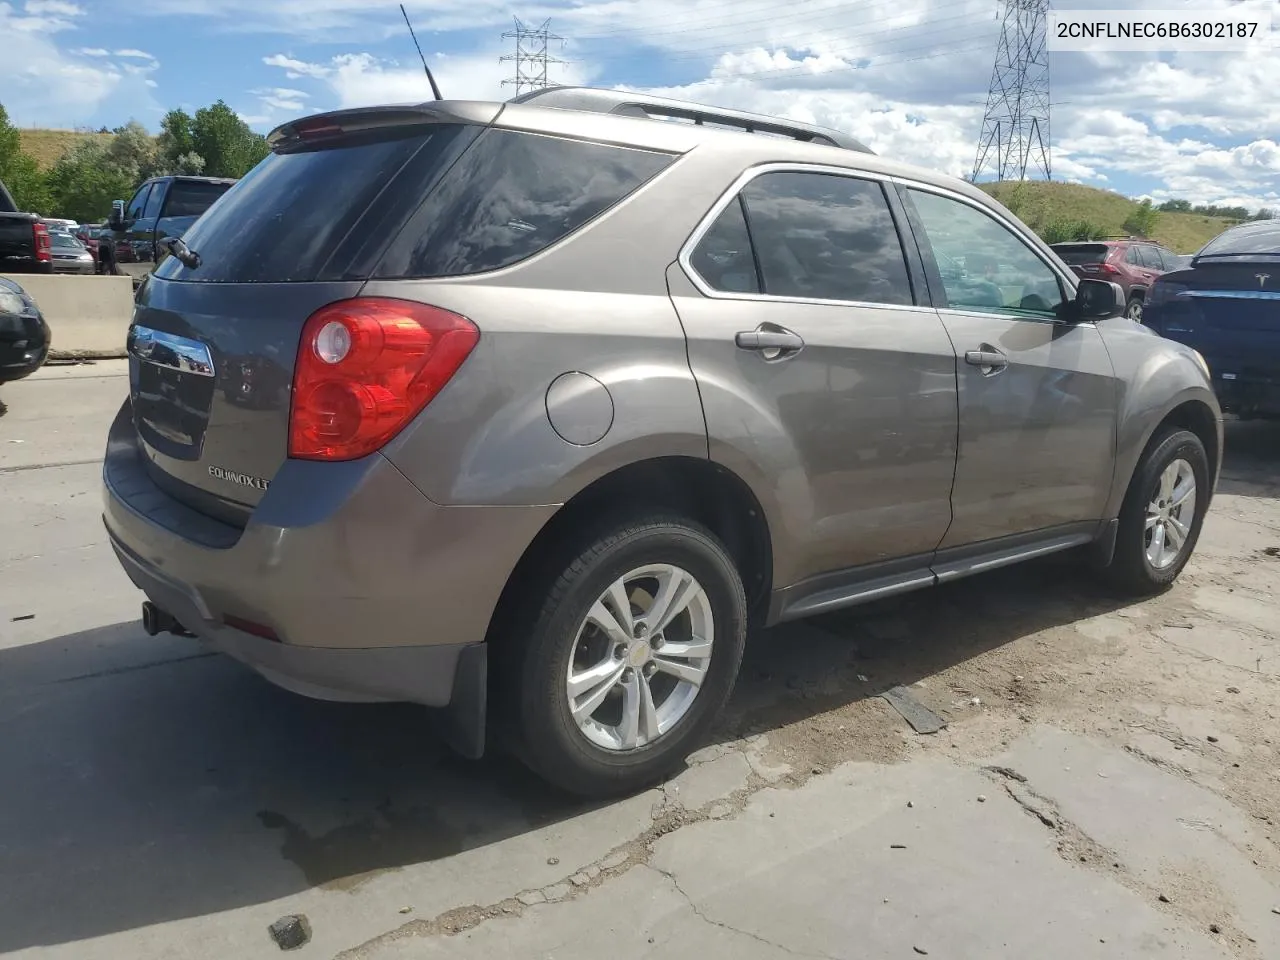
point(161, 802)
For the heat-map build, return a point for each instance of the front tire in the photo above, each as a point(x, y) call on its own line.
point(1134, 310)
point(631, 656)
point(1162, 514)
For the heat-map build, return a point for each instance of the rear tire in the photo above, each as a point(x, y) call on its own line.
point(1156, 537)
point(598, 704)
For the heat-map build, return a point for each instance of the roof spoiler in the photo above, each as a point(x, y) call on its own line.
point(627, 104)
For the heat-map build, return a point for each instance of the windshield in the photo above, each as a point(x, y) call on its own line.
point(1076, 254)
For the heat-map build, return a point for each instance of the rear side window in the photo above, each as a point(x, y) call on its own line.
point(1150, 257)
point(510, 196)
point(1077, 255)
point(723, 257)
point(826, 237)
point(189, 198)
point(294, 216)
point(1131, 257)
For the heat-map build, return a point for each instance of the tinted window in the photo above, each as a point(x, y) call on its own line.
point(1150, 258)
point(1261, 237)
point(825, 237)
point(1075, 254)
point(189, 198)
point(723, 256)
point(985, 266)
point(1131, 256)
point(154, 200)
point(511, 195)
point(138, 204)
point(293, 216)
point(65, 241)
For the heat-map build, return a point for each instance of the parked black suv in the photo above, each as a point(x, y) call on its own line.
point(24, 239)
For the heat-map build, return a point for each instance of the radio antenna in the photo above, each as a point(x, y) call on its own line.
point(432, 80)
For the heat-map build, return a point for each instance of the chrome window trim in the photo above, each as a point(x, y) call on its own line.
point(731, 194)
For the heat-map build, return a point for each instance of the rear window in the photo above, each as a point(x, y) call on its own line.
point(510, 196)
point(1074, 255)
point(191, 198)
point(1262, 237)
point(292, 217)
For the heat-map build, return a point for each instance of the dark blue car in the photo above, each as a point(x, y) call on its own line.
point(1226, 305)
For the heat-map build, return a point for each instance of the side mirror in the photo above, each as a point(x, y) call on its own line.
point(116, 220)
point(1098, 300)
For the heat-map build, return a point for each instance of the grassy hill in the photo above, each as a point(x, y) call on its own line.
point(47, 146)
point(1043, 201)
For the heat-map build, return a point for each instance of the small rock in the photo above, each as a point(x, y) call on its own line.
point(406, 909)
point(982, 798)
point(651, 939)
point(531, 898)
point(1276, 910)
point(290, 932)
point(1018, 679)
point(1164, 899)
point(816, 771)
point(773, 815)
point(1211, 738)
point(1233, 689)
point(921, 950)
point(910, 804)
point(1214, 928)
point(897, 846)
point(553, 861)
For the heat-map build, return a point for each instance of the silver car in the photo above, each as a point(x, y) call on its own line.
point(69, 254)
point(552, 402)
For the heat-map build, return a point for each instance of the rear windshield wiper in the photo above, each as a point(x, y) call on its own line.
point(188, 257)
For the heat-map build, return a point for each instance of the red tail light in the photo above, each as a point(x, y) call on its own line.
point(1109, 268)
point(44, 245)
point(366, 367)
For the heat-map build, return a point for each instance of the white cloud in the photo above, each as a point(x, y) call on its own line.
point(134, 54)
point(93, 52)
point(41, 8)
point(281, 98)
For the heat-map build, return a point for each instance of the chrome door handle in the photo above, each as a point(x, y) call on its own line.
point(988, 359)
point(764, 338)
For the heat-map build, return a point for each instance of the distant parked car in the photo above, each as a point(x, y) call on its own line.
point(1226, 304)
point(69, 254)
point(24, 336)
point(61, 223)
point(1133, 264)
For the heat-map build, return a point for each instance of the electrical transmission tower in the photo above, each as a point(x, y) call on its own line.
point(532, 55)
point(1015, 128)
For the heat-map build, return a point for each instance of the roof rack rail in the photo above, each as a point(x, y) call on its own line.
point(627, 104)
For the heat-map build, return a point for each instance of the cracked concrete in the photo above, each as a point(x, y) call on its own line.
point(173, 805)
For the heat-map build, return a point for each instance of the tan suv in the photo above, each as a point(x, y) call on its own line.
point(551, 401)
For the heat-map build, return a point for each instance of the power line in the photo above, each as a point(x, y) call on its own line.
point(532, 56)
point(1015, 127)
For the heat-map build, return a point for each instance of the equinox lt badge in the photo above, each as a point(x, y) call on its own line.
point(241, 478)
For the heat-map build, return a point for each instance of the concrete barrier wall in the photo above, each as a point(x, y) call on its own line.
point(89, 316)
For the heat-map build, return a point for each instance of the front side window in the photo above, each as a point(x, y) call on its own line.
point(153, 202)
point(985, 267)
point(825, 236)
point(138, 204)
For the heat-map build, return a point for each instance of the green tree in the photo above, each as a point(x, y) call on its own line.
point(228, 146)
point(133, 151)
point(20, 172)
point(175, 141)
point(1142, 220)
point(85, 180)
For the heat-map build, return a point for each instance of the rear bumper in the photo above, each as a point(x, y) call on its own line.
point(347, 583)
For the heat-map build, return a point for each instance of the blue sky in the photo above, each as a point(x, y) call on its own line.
point(907, 76)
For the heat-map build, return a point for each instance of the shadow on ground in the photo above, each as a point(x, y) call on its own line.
point(1251, 467)
point(155, 781)
point(147, 781)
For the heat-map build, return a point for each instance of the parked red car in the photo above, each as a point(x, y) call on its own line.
point(1132, 263)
